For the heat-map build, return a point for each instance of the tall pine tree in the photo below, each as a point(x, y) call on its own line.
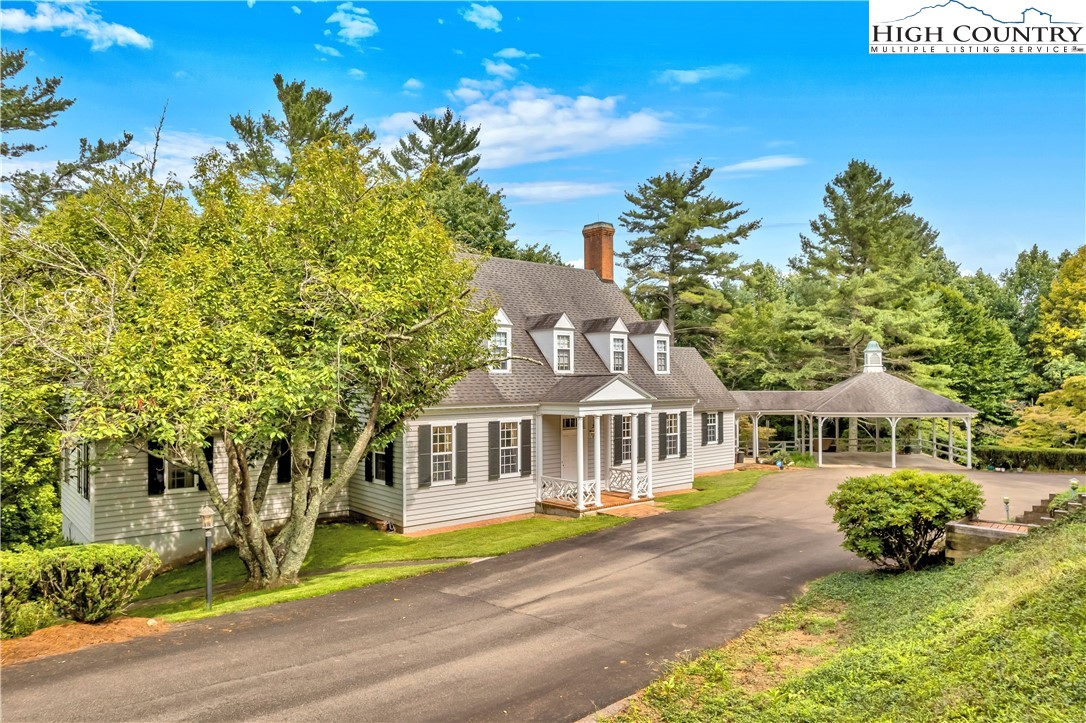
point(444, 141)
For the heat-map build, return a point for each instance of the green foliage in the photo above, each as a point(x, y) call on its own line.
point(1057, 420)
point(1060, 337)
point(446, 142)
point(998, 638)
point(682, 232)
point(1038, 459)
point(20, 591)
point(473, 214)
point(23, 108)
point(89, 583)
point(898, 518)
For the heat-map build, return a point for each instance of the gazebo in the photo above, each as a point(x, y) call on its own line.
point(871, 394)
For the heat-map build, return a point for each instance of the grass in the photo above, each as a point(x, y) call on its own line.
point(341, 545)
point(997, 638)
point(714, 488)
point(192, 608)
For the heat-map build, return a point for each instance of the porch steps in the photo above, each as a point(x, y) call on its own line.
point(564, 509)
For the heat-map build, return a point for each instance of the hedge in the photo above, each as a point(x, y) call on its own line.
point(1069, 460)
point(85, 583)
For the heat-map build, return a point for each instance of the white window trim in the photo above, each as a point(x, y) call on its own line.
point(517, 427)
point(625, 354)
point(715, 427)
point(626, 425)
point(374, 478)
point(677, 435)
point(568, 335)
point(495, 368)
point(166, 465)
point(434, 481)
point(667, 355)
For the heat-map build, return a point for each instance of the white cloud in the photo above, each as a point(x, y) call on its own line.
point(398, 124)
point(72, 19)
point(576, 263)
point(356, 73)
point(176, 149)
point(412, 84)
point(327, 50)
point(501, 69)
point(181, 75)
point(556, 191)
point(250, 3)
point(513, 53)
point(297, 10)
point(484, 17)
point(697, 75)
point(355, 24)
point(778, 144)
point(765, 163)
point(441, 21)
point(526, 124)
point(470, 90)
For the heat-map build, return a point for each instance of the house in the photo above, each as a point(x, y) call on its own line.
point(592, 401)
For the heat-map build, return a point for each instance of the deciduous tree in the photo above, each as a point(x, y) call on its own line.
point(1057, 420)
point(1060, 337)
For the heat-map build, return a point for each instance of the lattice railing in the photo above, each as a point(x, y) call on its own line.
point(642, 485)
point(556, 488)
point(620, 480)
point(589, 491)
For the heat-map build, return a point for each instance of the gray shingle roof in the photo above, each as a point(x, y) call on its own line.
point(712, 393)
point(529, 290)
point(605, 324)
point(866, 394)
point(776, 402)
point(543, 321)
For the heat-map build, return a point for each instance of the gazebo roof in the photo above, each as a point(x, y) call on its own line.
point(883, 395)
point(789, 402)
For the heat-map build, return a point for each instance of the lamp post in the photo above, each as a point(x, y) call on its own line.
point(1074, 485)
point(207, 521)
point(1007, 507)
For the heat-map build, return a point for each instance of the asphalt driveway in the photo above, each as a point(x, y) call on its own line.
point(550, 633)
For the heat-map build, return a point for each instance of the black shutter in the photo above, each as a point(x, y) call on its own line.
point(367, 467)
point(525, 447)
point(642, 435)
point(282, 470)
point(209, 455)
point(424, 455)
point(328, 461)
point(616, 439)
point(390, 466)
point(460, 438)
point(720, 427)
point(663, 435)
point(156, 473)
point(682, 434)
point(494, 449)
point(704, 429)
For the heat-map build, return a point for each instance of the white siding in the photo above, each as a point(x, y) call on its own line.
point(478, 499)
point(715, 457)
point(376, 499)
point(77, 511)
point(169, 523)
point(676, 473)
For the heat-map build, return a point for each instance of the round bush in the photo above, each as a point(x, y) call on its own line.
point(896, 519)
point(88, 583)
point(20, 573)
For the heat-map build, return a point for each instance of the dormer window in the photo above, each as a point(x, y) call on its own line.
point(663, 361)
point(563, 360)
point(501, 344)
point(618, 354)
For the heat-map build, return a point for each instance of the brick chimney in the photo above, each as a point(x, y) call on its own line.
point(599, 249)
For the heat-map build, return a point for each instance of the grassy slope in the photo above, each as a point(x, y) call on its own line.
point(714, 488)
point(1001, 637)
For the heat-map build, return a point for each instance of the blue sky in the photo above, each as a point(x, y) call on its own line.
point(581, 101)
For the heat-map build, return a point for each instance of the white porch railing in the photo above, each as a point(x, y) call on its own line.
point(620, 480)
point(556, 488)
point(642, 485)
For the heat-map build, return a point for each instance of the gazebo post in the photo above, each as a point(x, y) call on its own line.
point(950, 440)
point(893, 441)
point(820, 421)
point(795, 431)
point(969, 442)
point(754, 435)
point(934, 441)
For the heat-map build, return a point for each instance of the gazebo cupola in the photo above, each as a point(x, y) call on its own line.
point(873, 357)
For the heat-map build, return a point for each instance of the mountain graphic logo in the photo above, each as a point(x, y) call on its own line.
point(1039, 16)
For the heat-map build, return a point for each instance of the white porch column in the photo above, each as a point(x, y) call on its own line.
point(648, 454)
point(820, 421)
point(537, 423)
point(811, 434)
point(754, 418)
point(596, 458)
point(950, 440)
point(580, 462)
point(969, 442)
point(633, 453)
point(736, 438)
point(795, 432)
point(893, 442)
point(934, 441)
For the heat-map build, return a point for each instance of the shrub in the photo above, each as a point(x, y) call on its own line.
point(20, 573)
point(898, 518)
point(88, 583)
point(1038, 459)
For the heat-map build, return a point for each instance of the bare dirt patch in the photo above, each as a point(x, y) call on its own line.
point(69, 637)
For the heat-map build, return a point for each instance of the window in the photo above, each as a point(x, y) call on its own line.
point(509, 448)
point(618, 354)
point(569, 422)
point(564, 358)
point(672, 434)
point(661, 356)
point(380, 471)
point(627, 438)
point(499, 345)
point(710, 429)
point(441, 453)
point(82, 470)
point(179, 478)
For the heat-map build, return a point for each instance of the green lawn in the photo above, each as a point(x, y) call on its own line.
point(714, 488)
point(998, 638)
point(340, 545)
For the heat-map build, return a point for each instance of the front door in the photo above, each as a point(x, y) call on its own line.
point(569, 450)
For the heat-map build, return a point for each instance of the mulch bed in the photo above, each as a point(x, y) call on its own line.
point(69, 637)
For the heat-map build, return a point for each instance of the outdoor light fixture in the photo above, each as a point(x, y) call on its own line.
point(1007, 507)
point(1074, 484)
point(207, 521)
